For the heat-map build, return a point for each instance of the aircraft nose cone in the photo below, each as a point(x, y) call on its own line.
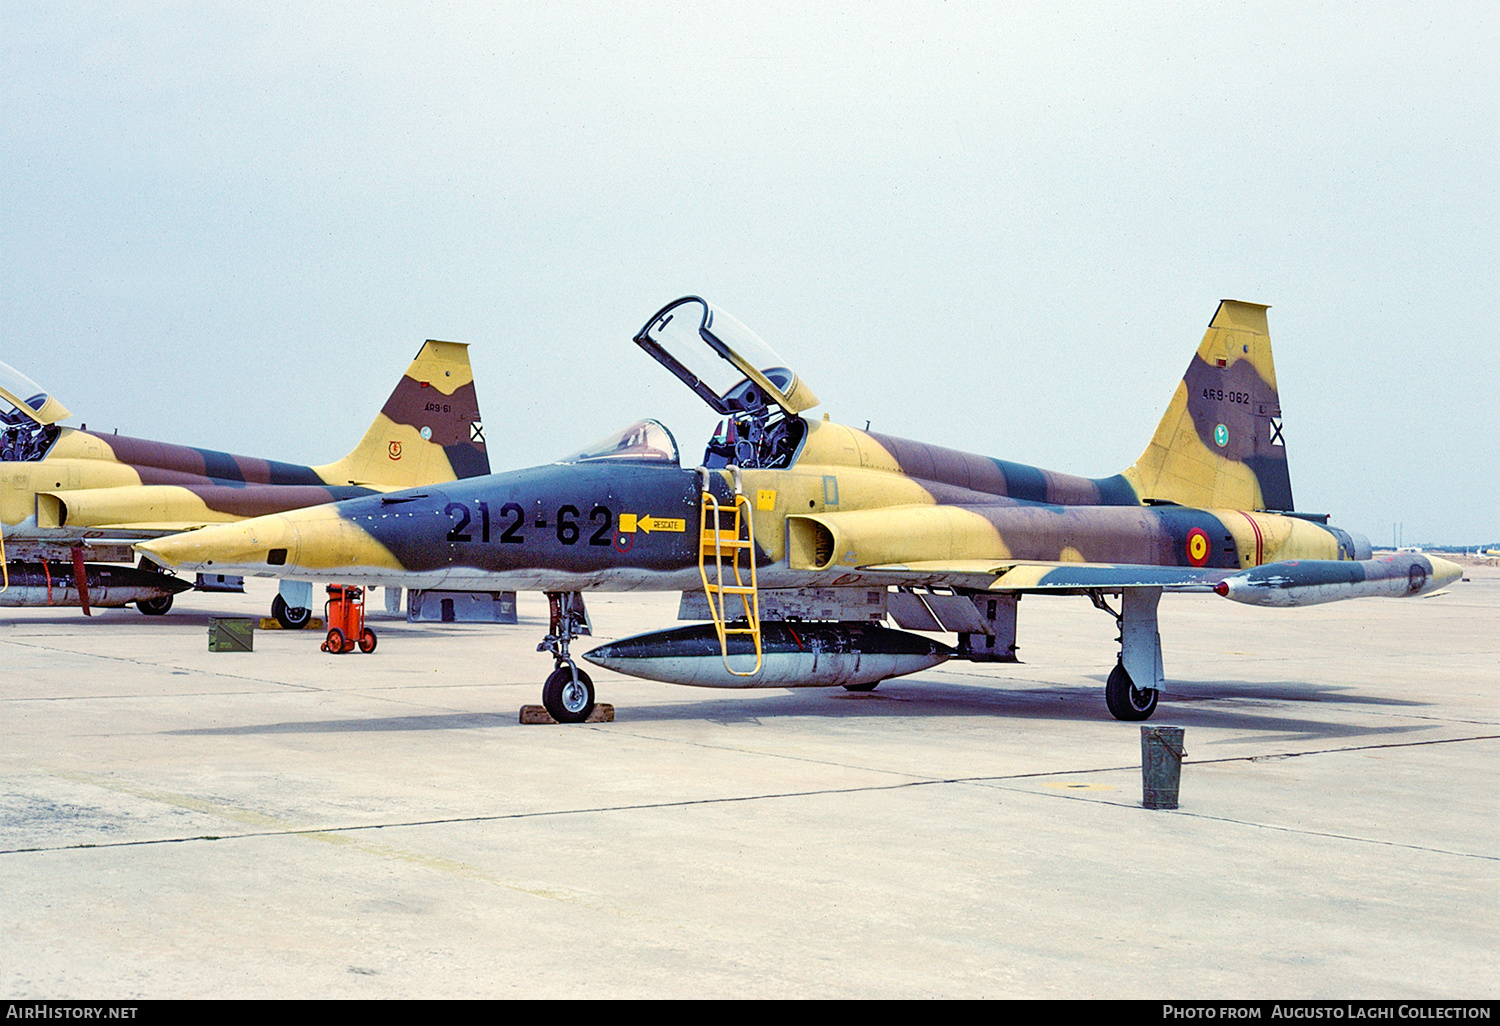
point(260, 543)
point(1444, 571)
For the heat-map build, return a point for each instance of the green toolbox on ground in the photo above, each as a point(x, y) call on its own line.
point(231, 634)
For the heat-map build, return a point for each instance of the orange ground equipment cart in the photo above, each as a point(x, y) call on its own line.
point(344, 613)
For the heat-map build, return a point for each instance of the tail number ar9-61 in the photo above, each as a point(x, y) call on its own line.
point(512, 519)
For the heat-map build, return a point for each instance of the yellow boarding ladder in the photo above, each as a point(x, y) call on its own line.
point(725, 542)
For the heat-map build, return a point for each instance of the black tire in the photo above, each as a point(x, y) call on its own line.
point(335, 643)
point(1125, 700)
point(156, 606)
point(566, 703)
point(291, 618)
point(862, 687)
point(367, 641)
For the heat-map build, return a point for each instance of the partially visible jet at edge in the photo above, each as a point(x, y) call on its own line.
point(74, 500)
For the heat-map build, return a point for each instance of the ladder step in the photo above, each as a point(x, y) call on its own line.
point(720, 540)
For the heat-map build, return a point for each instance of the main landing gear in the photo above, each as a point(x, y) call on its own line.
point(1140, 655)
point(1125, 700)
point(157, 606)
point(568, 693)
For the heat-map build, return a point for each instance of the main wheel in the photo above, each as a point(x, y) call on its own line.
point(566, 701)
point(862, 687)
point(367, 641)
point(335, 643)
point(292, 618)
point(1125, 700)
point(156, 606)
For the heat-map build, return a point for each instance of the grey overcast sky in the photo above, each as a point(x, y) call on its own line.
point(1000, 227)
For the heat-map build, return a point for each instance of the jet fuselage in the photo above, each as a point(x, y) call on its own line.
point(847, 504)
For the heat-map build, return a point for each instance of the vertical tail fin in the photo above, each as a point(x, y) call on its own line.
point(1220, 443)
point(429, 430)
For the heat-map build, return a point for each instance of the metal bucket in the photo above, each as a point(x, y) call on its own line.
point(231, 634)
point(1161, 766)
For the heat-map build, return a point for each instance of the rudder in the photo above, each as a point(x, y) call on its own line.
point(429, 430)
point(1220, 443)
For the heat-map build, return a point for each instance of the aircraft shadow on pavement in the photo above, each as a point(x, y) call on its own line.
point(364, 724)
point(1211, 706)
point(1188, 706)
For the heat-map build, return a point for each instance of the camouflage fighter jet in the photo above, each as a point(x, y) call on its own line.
point(795, 537)
point(66, 494)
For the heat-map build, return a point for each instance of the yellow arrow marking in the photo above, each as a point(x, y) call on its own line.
point(631, 522)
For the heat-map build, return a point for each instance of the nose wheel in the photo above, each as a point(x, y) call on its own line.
point(568, 694)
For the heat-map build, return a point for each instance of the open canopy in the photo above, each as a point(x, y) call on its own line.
point(22, 399)
point(725, 362)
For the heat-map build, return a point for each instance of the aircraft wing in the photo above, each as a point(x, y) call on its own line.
point(129, 534)
point(1292, 582)
point(1041, 577)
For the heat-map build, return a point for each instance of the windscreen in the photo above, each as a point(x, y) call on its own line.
point(645, 441)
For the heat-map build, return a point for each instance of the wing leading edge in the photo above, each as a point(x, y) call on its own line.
point(1057, 577)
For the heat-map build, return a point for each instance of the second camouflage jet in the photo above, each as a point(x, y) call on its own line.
point(69, 497)
point(795, 538)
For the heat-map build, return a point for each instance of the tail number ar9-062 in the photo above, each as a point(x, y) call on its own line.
point(512, 518)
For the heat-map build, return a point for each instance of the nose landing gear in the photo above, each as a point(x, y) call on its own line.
point(568, 693)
